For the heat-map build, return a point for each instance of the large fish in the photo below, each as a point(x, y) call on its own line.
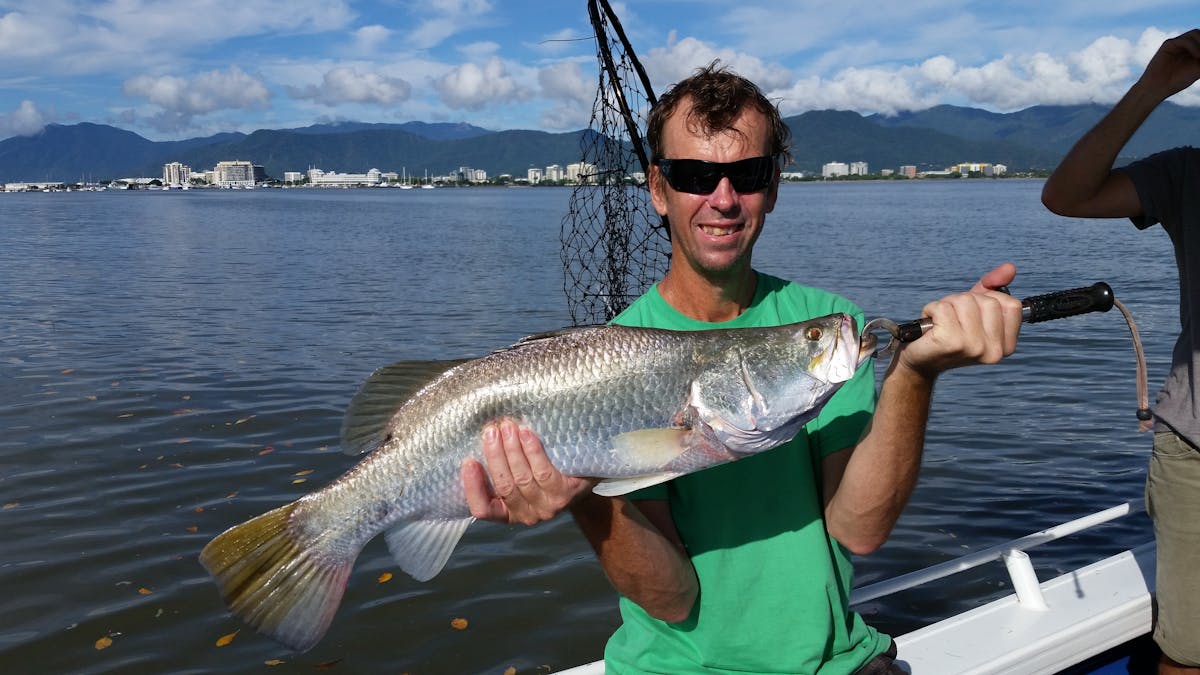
point(634, 406)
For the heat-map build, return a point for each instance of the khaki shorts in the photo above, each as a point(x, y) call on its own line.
point(1173, 501)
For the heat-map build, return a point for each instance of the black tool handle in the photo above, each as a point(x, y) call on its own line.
point(1057, 305)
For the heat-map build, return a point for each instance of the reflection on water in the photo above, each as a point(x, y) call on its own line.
point(174, 363)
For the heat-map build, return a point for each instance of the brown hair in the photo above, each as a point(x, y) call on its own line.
point(717, 96)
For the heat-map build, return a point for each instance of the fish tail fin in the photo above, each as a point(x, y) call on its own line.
point(268, 578)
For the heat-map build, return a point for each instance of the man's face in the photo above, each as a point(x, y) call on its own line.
point(715, 232)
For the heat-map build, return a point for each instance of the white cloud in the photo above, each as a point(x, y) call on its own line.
point(679, 59)
point(345, 84)
point(473, 87)
point(203, 93)
point(573, 93)
point(368, 39)
point(447, 18)
point(23, 121)
point(1100, 72)
point(74, 37)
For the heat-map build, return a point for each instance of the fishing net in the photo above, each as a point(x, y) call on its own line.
point(614, 245)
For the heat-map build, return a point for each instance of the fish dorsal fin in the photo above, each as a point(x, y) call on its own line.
point(421, 548)
point(552, 334)
point(612, 487)
point(367, 416)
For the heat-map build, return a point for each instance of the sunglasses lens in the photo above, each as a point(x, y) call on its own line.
point(699, 177)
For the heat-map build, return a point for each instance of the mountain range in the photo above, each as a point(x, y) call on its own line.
point(1034, 139)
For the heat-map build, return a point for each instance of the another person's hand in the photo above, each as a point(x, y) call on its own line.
point(1175, 66)
point(979, 326)
point(524, 486)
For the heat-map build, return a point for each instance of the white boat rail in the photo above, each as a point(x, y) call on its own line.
point(1042, 627)
point(998, 552)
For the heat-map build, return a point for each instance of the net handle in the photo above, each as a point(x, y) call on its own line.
point(606, 58)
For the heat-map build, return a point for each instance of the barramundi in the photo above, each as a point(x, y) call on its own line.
point(630, 406)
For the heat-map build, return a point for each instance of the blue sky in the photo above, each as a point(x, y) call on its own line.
point(171, 70)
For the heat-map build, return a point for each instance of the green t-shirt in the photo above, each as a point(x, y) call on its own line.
point(774, 586)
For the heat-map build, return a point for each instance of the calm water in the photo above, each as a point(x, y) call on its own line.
point(172, 364)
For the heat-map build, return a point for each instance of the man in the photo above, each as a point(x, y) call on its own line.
point(1163, 188)
point(745, 567)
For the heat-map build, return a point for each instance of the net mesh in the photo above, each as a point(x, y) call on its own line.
point(614, 246)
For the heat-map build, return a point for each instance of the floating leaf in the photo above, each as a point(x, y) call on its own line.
point(245, 419)
point(187, 397)
point(274, 662)
point(303, 473)
point(104, 642)
point(124, 416)
point(299, 480)
point(231, 495)
point(326, 665)
point(385, 577)
point(11, 505)
point(91, 397)
point(199, 509)
point(191, 528)
point(266, 451)
point(183, 411)
point(226, 639)
point(144, 591)
point(510, 671)
point(68, 371)
point(459, 624)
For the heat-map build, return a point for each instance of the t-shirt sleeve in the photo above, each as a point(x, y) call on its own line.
point(1157, 181)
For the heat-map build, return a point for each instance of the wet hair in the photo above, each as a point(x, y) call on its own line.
point(717, 97)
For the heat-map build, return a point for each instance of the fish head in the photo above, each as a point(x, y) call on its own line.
point(776, 380)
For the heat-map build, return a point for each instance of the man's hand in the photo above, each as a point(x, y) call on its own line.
point(979, 326)
point(525, 487)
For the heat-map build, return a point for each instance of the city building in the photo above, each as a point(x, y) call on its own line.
point(835, 169)
point(293, 177)
point(234, 173)
point(859, 169)
point(319, 178)
point(175, 173)
point(534, 176)
point(908, 171)
point(555, 173)
point(581, 173)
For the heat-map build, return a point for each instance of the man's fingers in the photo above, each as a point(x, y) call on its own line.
point(479, 497)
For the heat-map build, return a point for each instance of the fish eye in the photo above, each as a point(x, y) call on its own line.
point(813, 333)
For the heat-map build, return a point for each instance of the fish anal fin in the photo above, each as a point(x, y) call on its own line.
point(422, 547)
point(612, 487)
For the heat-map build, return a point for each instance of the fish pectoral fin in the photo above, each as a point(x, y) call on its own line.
point(650, 448)
point(421, 548)
point(612, 487)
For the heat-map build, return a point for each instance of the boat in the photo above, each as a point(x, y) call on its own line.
point(1091, 619)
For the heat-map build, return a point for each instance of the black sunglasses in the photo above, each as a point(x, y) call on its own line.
point(698, 177)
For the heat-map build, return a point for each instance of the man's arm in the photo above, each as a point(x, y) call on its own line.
point(1084, 184)
point(866, 488)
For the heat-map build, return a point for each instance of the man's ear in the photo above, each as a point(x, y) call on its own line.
point(658, 188)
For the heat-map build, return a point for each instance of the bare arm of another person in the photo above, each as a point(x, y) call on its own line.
point(1084, 184)
point(866, 487)
point(636, 542)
